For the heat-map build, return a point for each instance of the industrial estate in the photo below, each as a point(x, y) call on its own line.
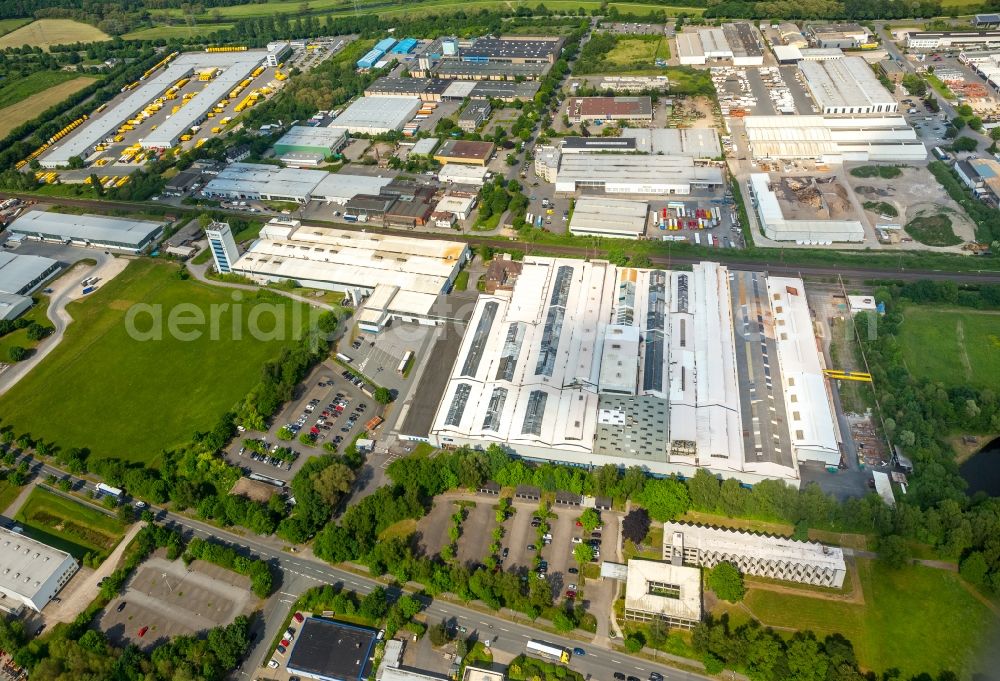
point(511, 345)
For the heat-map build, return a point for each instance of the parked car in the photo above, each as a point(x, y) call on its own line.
point(280, 650)
point(298, 617)
point(142, 632)
point(619, 676)
point(570, 594)
point(655, 676)
point(577, 540)
point(572, 571)
point(121, 606)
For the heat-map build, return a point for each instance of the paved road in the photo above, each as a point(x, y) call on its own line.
point(946, 106)
point(301, 570)
point(64, 291)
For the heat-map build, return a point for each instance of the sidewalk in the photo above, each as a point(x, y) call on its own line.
point(16, 505)
point(82, 587)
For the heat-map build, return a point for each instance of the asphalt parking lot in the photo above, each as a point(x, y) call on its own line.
point(477, 532)
point(559, 553)
point(165, 599)
point(309, 391)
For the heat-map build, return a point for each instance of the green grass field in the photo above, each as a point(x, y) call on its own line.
point(168, 32)
point(69, 525)
point(918, 619)
point(22, 88)
point(20, 337)
point(29, 107)
point(965, 345)
point(8, 25)
point(8, 492)
point(632, 51)
point(343, 7)
point(157, 393)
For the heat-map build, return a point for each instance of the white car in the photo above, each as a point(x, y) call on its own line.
point(273, 664)
point(577, 540)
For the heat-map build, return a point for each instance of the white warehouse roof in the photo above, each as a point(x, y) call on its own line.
point(834, 139)
point(847, 86)
point(609, 217)
point(374, 115)
point(634, 174)
point(779, 228)
point(30, 571)
point(20, 274)
point(342, 187)
point(92, 228)
point(590, 364)
point(98, 128)
point(694, 142)
point(265, 180)
point(234, 69)
point(342, 259)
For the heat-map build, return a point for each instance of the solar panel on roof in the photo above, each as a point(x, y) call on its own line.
point(553, 322)
point(494, 409)
point(534, 413)
point(478, 345)
point(458, 402)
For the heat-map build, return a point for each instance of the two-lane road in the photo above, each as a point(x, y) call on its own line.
point(301, 570)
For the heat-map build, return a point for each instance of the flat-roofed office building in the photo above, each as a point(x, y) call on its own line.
point(753, 553)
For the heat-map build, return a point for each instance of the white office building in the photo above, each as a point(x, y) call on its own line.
point(662, 591)
point(755, 554)
point(223, 246)
point(589, 364)
point(31, 573)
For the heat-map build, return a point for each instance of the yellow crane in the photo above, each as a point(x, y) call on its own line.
point(840, 375)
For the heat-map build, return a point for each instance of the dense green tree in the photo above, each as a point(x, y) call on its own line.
point(727, 582)
point(665, 499)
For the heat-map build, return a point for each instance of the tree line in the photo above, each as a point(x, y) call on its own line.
point(823, 9)
point(79, 651)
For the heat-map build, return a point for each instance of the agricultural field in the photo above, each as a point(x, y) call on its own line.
point(69, 525)
point(168, 32)
point(8, 25)
point(340, 7)
point(29, 107)
point(888, 629)
point(158, 392)
point(965, 345)
point(47, 32)
point(39, 81)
